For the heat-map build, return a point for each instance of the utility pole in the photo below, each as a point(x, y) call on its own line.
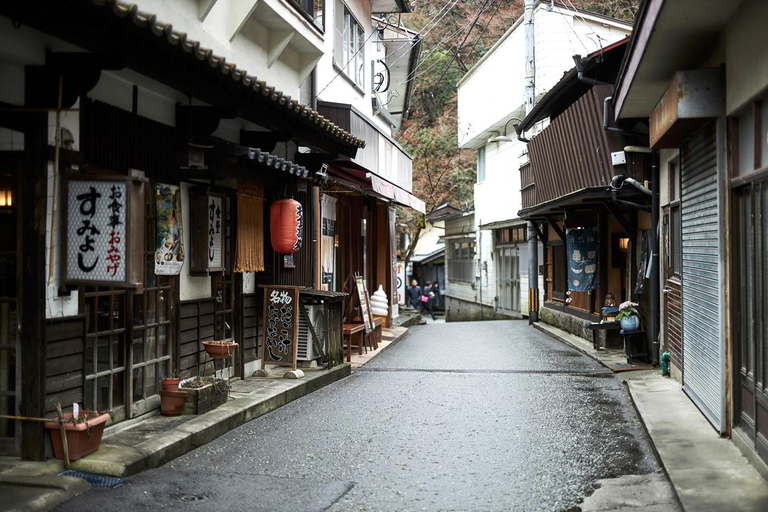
point(530, 100)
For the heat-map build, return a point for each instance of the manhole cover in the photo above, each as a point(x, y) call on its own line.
point(191, 497)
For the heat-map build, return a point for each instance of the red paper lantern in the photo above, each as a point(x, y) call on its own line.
point(286, 221)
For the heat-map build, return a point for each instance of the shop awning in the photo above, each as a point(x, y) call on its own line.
point(157, 50)
point(396, 194)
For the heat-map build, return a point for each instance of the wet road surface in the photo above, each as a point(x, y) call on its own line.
point(460, 416)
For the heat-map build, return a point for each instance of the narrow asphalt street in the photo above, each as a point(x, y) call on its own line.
point(461, 416)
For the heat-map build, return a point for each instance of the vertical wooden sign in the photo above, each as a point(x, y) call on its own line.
point(281, 325)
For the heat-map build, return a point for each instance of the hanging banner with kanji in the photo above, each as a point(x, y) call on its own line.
point(169, 256)
point(96, 238)
point(582, 247)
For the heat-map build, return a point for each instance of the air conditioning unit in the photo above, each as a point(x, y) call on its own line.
point(305, 351)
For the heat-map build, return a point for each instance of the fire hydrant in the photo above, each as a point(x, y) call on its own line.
point(665, 364)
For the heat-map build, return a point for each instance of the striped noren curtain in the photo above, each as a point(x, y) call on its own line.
point(249, 256)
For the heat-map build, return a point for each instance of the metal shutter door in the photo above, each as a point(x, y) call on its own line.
point(702, 286)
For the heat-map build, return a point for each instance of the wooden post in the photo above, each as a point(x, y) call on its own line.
point(32, 266)
point(64, 443)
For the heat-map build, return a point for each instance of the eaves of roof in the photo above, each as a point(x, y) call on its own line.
point(137, 27)
point(602, 64)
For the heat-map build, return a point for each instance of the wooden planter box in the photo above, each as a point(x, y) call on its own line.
point(202, 400)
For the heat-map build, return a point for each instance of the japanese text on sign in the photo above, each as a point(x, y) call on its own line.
point(96, 241)
point(214, 232)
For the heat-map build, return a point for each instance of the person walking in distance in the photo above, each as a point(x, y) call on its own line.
point(427, 300)
point(414, 294)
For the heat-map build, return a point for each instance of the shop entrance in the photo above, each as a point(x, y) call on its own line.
point(10, 163)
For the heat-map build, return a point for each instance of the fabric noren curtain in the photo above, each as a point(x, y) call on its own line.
point(249, 256)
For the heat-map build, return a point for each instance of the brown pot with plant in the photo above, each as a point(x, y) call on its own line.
point(171, 399)
point(83, 433)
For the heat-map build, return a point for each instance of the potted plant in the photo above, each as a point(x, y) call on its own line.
point(83, 433)
point(220, 349)
point(628, 316)
point(171, 382)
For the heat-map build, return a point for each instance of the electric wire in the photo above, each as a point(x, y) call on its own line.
point(456, 53)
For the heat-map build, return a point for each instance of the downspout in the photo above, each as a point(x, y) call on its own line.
point(613, 129)
point(655, 273)
point(585, 79)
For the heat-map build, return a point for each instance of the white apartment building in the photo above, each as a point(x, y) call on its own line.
point(491, 102)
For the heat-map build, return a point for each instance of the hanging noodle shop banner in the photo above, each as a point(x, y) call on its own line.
point(169, 256)
point(96, 231)
point(582, 246)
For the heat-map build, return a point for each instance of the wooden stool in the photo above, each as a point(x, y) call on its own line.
point(354, 331)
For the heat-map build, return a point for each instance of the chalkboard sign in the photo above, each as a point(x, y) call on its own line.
point(365, 305)
point(281, 325)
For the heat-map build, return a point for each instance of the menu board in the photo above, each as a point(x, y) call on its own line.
point(365, 305)
point(281, 325)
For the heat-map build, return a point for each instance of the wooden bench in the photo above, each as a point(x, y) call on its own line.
point(352, 331)
point(596, 326)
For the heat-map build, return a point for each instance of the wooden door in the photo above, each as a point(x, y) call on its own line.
point(750, 214)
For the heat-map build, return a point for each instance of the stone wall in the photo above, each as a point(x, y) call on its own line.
point(457, 310)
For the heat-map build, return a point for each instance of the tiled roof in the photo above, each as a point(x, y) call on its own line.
point(298, 112)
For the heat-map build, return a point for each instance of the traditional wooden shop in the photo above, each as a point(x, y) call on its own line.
point(161, 170)
point(586, 192)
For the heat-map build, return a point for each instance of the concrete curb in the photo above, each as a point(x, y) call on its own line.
point(122, 461)
point(628, 391)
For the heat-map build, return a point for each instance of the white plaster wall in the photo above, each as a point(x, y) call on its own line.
point(497, 197)
point(65, 305)
point(494, 89)
point(249, 282)
point(429, 239)
point(248, 49)
point(746, 65)
point(190, 287)
point(560, 34)
point(332, 84)
point(486, 281)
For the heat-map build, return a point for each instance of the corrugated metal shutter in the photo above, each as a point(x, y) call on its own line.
point(702, 286)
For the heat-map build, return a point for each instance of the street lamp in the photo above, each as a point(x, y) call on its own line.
point(504, 137)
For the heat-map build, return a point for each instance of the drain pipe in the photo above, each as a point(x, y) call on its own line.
point(655, 271)
point(580, 68)
point(613, 129)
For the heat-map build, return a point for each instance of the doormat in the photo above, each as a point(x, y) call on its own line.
point(95, 480)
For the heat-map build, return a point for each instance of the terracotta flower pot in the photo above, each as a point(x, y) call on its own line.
point(171, 384)
point(172, 402)
point(219, 349)
point(82, 438)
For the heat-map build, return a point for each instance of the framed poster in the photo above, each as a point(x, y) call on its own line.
point(169, 256)
point(365, 303)
point(207, 216)
point(104, 230)
point(281, 325)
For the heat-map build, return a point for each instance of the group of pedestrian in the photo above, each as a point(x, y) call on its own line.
point(424, 299)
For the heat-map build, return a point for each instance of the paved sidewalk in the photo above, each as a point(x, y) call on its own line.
point(708, 472)
point(389, 337)
point(155, 440)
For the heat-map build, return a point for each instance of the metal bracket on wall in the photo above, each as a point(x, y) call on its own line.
point(553, 222)
point(623, 222)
